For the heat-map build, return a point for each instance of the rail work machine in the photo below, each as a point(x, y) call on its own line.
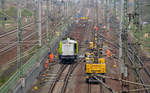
point(95, 62)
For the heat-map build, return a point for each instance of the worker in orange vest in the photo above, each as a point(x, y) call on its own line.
point(46, 64)
point(95, 28)
point(108, 53)
point(51, 56)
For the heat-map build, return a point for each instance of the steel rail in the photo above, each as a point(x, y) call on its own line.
point(63, 67)
point(138, 74)
point(89, 87)
point(101, 88)
point(15, 30)
point(71, 69)
point(140, 62)
point(129, 49)
point(105, 85)
point(14, 44)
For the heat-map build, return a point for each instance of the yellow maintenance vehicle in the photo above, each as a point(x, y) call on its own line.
point(95, 62)
point(92, 68)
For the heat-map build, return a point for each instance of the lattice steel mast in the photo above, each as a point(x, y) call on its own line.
point(124, 37)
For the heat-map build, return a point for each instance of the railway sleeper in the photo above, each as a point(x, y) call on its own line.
point(91, 79)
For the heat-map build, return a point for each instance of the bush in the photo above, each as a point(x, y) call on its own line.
point(12, 11)
point(26, 13)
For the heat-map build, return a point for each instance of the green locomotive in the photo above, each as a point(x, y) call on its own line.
point(68, 50)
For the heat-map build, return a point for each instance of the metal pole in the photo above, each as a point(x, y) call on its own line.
point(19, 48)
point(67, 8)
point(96, 13)
point(136, 13)
point(108, 14)
point(114, 10)
point(103, 9)
point(64, 8)
point(40, 24)
point(141, 15)
point(124, 37)
point(35, 19)
point(120, 40)
point(47, 23)
point(134, 68)
point(106, 2)
point(2, 14)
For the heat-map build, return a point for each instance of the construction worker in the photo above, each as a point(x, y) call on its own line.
point(95, 28)
point(46, 64)
point(51, 56)
point(108, 53)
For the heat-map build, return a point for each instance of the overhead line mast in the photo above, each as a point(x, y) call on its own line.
point(35, 18)
point(124, 37)
point(19, 47)
point(114, 10)
point(47, 23)
point(40, 23)
point(97, 13)
point(137, 15)
point(2, 14)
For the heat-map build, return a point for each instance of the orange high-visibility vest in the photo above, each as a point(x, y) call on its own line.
point(108, 53)
point(46, 64)
point(51, 56)
point(96, 28)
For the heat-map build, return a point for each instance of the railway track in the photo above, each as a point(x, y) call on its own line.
point(12, 45)
point(28, 42)
point(89, 87)
point(62, 68)
point(66, 79)
point(71, 69)
point(142, 79)
point(138, 74)
point(13, 31)
point(94, 88)
point(5, 49)
point(61, 81)
point(140, 62)
point(14, 42)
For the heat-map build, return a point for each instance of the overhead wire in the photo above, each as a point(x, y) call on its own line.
point(26, 53)
point(30, 52)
